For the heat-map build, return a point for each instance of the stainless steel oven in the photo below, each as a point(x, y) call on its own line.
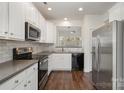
point(32, 32)
point(42, 71)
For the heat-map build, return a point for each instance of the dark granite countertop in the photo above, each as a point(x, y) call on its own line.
point(55, 52)
point(10, 68)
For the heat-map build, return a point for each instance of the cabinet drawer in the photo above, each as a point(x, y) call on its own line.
point(31, 69)
point(13, 82)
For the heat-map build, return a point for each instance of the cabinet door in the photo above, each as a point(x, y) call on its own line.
point(21, 86)
point(16, 21)
point(50, 64)
point(29, 12)
point(32, 78)
point(44, 26)
point(41, 23)
point(36, 17)
point(60, 62)
point(31, 83)
point(50, 32)
point(7, 85)
point(3, 19)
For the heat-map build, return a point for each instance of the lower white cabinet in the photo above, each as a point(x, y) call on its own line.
point(60, 62)
point(26, 80)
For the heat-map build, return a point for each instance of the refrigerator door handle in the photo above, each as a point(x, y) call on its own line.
point(99, 54)
point(96, 54)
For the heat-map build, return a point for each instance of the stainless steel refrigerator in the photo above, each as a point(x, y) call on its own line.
point(107, 56)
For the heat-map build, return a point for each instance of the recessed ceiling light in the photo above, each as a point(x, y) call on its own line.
point(65, 19)
point(49, 8)
point(80, 9)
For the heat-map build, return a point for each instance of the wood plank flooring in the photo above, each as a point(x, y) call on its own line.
point(66, 80)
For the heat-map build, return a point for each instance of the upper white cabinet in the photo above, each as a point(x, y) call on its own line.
point(12, 22)
point(3, 20)
point(16, 21)
point(44, 30)
point(42, 25)
point(31, 14)
point(116, 12)
point(50, 32)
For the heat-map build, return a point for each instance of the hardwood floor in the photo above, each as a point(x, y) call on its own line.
point(66, 80)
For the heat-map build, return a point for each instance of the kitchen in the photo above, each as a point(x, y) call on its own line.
point(56, 45)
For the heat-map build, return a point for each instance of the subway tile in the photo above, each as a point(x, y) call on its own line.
point(7, 46)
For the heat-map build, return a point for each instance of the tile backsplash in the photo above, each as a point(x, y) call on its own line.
point(6, 47)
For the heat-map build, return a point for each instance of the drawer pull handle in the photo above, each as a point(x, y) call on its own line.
point(6, 32)
point(25, 85)
point(29, 81)
point(11, 33)
point(16, 81)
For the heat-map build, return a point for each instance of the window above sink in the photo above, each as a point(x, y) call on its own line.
point(68, 37)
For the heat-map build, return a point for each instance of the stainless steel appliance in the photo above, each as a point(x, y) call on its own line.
point(42, 71)
point(107, 56)
point(24, 53)
point(32, 32)
point(78, 61)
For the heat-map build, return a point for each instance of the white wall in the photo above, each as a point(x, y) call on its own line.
point(90, 22)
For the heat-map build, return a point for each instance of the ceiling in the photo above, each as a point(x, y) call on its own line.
point(61, 10)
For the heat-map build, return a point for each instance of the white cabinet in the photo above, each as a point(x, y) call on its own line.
point(13, 82)
point(26, 80)
point(31, 14)
point(42, 26)
point(50, 63)
point(12, 21)
point(50, 32)
point(116, 12)
point(60, 62)
point(31, 82)
point(114, 15)
point(16, 21)
point(3, 20)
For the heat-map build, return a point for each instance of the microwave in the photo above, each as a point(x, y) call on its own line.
point(32, 32)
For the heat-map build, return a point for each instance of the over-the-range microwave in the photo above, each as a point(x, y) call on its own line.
point(32, 32)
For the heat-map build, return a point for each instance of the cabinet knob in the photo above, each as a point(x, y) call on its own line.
point(16, 81)
point(6, 32)
point(33, 68)
point(25, 85)
point(29, 81)
point(11, 34)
